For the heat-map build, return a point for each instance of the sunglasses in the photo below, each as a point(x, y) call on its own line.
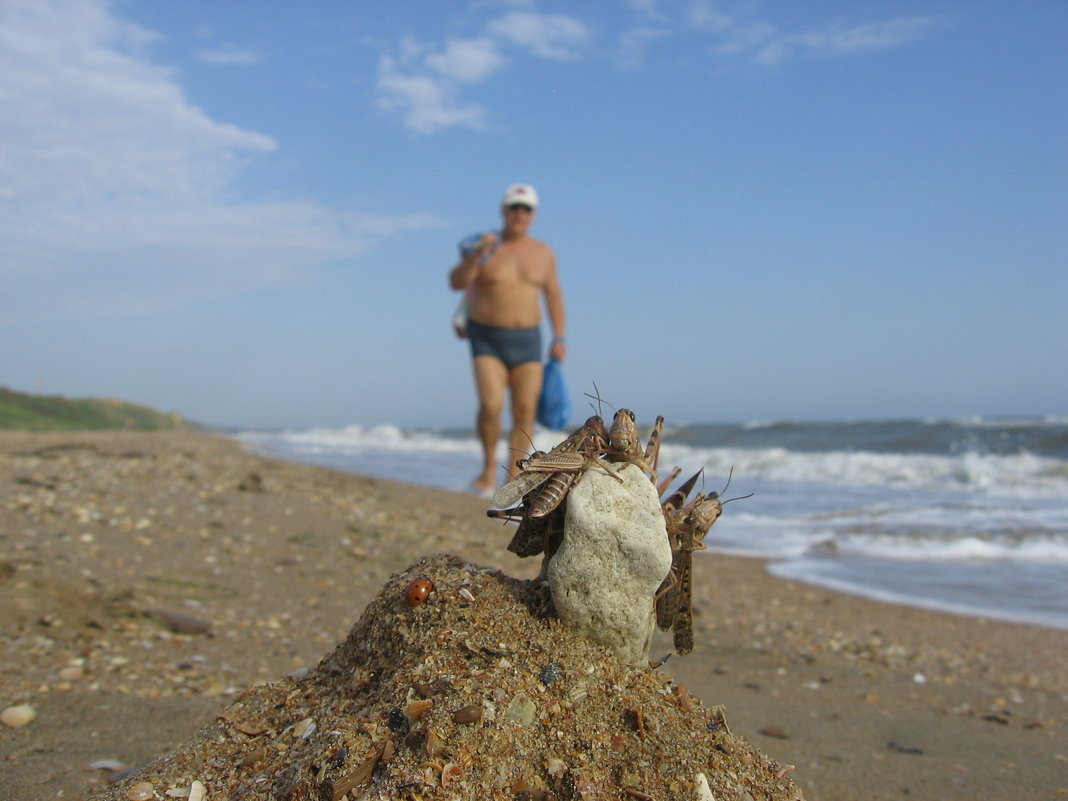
point(520, 207)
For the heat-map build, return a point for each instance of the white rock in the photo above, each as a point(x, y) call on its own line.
point(704, 792)
point(197, 791)
point(20, 715)
point(614, 555)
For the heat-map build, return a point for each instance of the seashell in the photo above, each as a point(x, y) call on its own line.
point(419, 590)
point(465, 593)
point(259, 755)
point(450, 772)
point(467, 714)
point(521, 710)
point(20, 715)
point(142, 791)
point(555, 766)
point(435, 745)
point(389, 748)
point(197, 791)
point(304, 728)
point(106, 764)
point(577, 694)
point(416, 709)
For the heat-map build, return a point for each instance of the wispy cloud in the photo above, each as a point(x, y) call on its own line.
point(733, 32)
point(547, 35)
point(116, 191)
point(841, 40)
point(433, 86)
point(425, 83)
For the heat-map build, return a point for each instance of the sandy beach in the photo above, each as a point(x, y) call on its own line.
point(147, 579)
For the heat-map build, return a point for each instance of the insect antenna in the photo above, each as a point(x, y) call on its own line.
point(730, 475)
point(597, 397)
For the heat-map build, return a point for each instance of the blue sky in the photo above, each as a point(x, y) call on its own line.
point(245, 211)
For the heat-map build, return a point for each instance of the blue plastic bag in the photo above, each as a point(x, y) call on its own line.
point(554, 406)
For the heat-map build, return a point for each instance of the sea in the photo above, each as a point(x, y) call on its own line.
point(967, 516)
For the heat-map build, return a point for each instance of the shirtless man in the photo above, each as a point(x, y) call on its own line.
point(504, 277)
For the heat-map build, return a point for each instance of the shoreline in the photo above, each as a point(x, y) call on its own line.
point(867, 699)
point(931, 572)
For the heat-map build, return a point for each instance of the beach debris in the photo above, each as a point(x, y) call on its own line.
point(112, 765)
point(304, 729)
point(253, 482)
point(776, 732)
point(19, 715)
point(142, 791)
point(704, 792)
point(550, 673)
point(419, 590)
point(179, 624)
point(903, 749)
point(472, 713)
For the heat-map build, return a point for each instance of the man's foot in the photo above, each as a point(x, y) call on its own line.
point(485, 483)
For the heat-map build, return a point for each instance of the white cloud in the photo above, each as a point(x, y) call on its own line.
point(837, 40)
point(547, 35)
point(634, 43)
point(705, 15)
point(425, 83)
point(467, 60)
point(428, 103)
point(115, 190)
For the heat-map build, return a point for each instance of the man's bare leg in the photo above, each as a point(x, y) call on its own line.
point(524, 381)
point(491, 380)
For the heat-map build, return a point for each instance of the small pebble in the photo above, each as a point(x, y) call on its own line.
point(142, 791)
point(775, 731)
point(704, 792)
point(467, 714)
point(20, 715)
point(550, 673)
point(521, 710)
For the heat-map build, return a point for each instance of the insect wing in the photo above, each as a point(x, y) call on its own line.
point(519, 486)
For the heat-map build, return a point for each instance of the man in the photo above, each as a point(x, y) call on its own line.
point(505, 278)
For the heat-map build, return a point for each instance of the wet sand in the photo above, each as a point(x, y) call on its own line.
point(147, 579)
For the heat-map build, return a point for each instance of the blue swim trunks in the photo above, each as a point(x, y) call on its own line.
point(513, 346)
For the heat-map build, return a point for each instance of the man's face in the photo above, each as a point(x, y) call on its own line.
point(517, 217)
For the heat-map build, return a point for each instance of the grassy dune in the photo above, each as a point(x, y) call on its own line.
point(56, 413)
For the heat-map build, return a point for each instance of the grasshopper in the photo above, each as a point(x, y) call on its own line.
point(557, 470)
point(687, 524)
point(674, 602)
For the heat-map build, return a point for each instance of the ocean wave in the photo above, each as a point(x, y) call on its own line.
point(1019, 475)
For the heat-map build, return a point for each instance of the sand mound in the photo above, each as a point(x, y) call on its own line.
point(478, 692)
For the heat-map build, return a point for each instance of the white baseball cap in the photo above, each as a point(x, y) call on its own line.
point(520, 193)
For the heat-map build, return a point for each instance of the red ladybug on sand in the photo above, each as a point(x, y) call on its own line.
point(419, 590)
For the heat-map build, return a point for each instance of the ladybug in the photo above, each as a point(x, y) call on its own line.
point(418, 590)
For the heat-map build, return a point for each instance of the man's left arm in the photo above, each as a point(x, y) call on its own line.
point(554, 305)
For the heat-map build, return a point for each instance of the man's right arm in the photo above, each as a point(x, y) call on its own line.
point(466, 271)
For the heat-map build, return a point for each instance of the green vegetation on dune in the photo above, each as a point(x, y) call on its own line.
point(55, 413)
